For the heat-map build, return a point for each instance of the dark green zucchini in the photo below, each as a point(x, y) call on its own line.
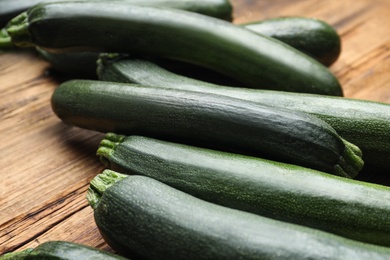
point(208, 120)
point(290, 193)
point(216, 8)
point(61, 250)
point(255, 60)
point(364, 123)
point(143, 218)
point(311, 36)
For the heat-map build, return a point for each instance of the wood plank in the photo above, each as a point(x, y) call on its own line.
point(365, 39)
point(78, 227)
point(46, 166)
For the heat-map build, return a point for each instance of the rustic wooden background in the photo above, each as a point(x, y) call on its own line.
point(46, 166)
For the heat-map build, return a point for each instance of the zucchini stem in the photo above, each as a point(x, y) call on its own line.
point(105, 59)
point(100, 184)
point(107, 147)
point(350, 162)
point(5, 39)
point(17, 30)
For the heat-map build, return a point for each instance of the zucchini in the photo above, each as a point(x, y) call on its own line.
point(61, 250)
point(143, 218)
point(217, 8)
point(311, 36)
point(255, 60)
point(290, 193)
point(364, 123)
point(207, 120)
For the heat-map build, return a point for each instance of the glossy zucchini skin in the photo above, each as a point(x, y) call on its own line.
point(364, 123)
point(62, 250)
point(290, 193)
point(206, 120)
point(143, 218)
point(255, 60)
point(311, 36)
point(216, 8)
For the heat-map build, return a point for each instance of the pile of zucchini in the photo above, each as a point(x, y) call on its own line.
point(222, 141)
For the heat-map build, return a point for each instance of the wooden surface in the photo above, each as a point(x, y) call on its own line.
point(46, 166)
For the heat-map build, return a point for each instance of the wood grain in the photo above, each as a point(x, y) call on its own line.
point(46, 166)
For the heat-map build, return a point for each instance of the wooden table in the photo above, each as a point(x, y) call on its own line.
point(46, 166)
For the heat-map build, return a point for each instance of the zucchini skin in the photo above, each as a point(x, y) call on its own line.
point(364, 123)
point(207, 120)
point(311, 36)
point(255, 60)
point(216, 8)
point(139, 216)
point(290, 193)
point(62, 250)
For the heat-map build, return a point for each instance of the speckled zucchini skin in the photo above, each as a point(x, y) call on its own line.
point(143, 218)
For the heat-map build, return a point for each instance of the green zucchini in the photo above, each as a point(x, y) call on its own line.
point(61, 250)
point(255, 60)
point(143, 218)
point(311, 36)
point(216, 8)
point(208, 120)
point(364, 123)
point(290, 193)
